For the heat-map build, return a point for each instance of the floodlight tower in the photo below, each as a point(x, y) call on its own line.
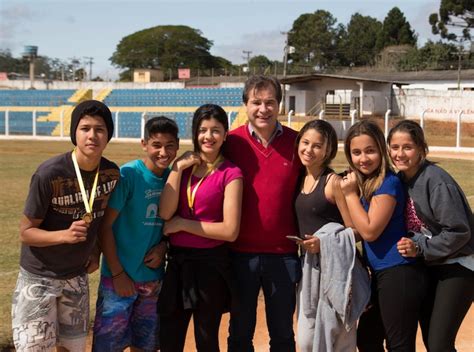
point(31, 53)
point(247, 52)
point(74, 64)
point(90, 61)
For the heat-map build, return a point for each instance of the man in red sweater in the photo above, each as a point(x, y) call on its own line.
point(262, 256)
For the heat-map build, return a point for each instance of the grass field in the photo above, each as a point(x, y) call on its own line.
point(19, 159)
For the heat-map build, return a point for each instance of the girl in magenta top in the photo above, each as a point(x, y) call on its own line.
point(208, 205)
point(201, 204)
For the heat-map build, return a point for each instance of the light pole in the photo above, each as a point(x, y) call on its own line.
point(247, 52)
point(90, 61)
point(74, 64)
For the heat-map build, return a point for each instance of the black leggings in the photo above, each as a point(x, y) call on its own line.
point(400, 291)
point(451, 292)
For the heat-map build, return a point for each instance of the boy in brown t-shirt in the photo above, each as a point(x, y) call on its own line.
point(58, 231)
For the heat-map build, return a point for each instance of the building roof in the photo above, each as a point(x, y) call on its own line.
point(356, 77)
point(387, 76)
point(417, 76)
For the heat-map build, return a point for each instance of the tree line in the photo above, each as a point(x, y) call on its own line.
point(316, 42)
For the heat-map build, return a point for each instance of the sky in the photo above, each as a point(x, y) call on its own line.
point(79, 29)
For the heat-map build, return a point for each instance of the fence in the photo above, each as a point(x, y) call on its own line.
point(127, 124)
point(341, 127)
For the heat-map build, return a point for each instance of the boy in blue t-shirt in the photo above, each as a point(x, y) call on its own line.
point(130, 235)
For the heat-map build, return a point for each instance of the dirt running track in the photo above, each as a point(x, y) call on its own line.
point(464, 341)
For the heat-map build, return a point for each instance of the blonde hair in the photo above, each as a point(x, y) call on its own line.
point(368, 184)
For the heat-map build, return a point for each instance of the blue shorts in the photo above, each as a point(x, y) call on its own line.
point(122, 322)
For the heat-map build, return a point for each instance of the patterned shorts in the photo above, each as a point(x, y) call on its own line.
point(50, 312)
point(121, 322)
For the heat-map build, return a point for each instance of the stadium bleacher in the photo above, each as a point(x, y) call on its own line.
point(175, 97)
point(35, 97)
point(128, 104)
point(130, 123)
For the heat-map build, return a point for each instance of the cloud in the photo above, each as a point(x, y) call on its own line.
point(12, 20)
point(70, 20)
point(268, 43)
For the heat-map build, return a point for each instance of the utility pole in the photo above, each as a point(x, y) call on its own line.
point(90, 61)
point(285, 62)
point(460, 52)
point(247, 52)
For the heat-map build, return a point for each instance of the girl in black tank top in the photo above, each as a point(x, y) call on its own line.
point(319, 201)
point(313, 209)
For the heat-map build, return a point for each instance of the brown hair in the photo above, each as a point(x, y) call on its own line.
point(416, 134)
point(327, 132)
point(258, 82)
point(368, 184)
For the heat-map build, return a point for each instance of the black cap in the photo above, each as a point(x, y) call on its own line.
point(91, 108)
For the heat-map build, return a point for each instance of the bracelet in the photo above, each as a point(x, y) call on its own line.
point(117, 275)
point(417, 249)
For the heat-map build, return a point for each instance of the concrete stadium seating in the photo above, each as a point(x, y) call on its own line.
point(129, 104)
point(35, 97)
point(174, 97)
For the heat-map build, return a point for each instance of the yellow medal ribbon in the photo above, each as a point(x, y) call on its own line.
point(87, 217)
point(192, 193)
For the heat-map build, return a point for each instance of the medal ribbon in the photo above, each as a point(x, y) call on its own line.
point(192, 193)
point(87, 205)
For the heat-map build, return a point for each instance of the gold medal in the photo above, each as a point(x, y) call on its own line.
point(191, 193)
point(88, 205)
point(87, 217)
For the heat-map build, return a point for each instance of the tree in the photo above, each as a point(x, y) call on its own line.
point(432, 56)
point(260, 64)
point(361, 40)
point(165, 47)
point(340, 46)
point(396, 30)
point(315, 38)
point(223, 62)
point(453, 13)
point(10, 64)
